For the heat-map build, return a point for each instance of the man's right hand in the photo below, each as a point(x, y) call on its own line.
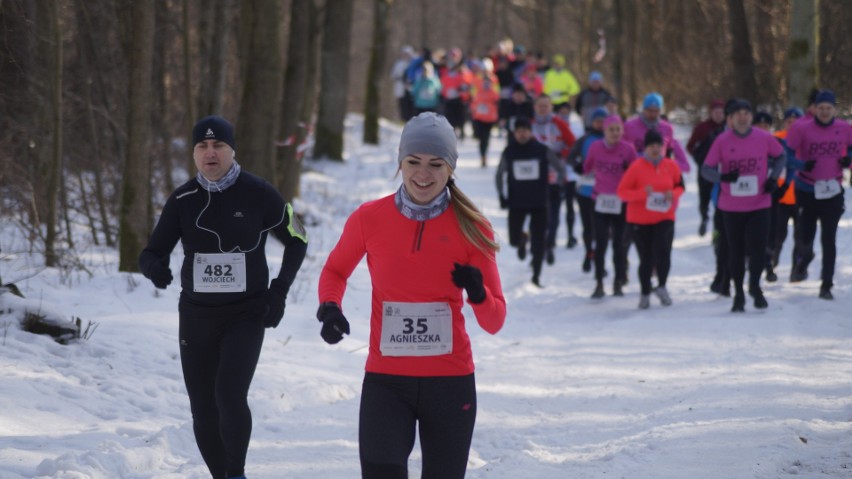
point(160, 274)
point(730, 176)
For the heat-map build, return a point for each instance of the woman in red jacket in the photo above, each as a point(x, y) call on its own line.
point(651, 187)
point(424, 244)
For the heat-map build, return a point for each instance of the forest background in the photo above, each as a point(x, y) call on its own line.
point(97, 97)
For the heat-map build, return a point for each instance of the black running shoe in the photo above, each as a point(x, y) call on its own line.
point(739, 303)
point(759, 299)
point(550, 258)
point(599, 292)
point(771, 277)
point(572, 242)
point(587, 262)
point(522, 248)
point(825, 292)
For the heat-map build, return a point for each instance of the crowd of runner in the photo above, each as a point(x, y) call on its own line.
point(626, 175)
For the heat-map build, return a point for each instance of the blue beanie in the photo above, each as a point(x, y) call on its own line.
point(825, 96)
point(599, 113)
point(794, 111)
point(653, 100)
point(214, 128)
point(595, 76)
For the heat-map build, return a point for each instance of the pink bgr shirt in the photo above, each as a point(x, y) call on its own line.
point(825, 144)
point(608, 164)
point(750, 155)
point(634, 132)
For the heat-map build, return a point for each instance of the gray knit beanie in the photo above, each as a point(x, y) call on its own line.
point(429, 133)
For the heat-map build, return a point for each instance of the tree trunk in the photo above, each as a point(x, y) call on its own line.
point(619, 45)
point(135, 214)
point(54, 169)
point(741, 52)
point(257, 125)
point(334, 79)
point(802, 50)
point(295, 90)
point(378, 53)
point(189, 98)
point(631, 14)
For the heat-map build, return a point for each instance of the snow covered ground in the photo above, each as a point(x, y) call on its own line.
point(571, 387)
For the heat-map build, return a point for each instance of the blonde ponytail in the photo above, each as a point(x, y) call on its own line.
point(472, 222)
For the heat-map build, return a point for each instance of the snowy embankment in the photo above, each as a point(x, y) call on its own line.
point(571, 387)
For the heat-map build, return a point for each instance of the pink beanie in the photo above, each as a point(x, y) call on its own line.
point(611, 119)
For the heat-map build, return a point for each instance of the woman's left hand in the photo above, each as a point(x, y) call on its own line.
point(470, 278)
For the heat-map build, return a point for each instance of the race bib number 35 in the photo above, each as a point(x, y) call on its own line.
point(219, 273)
point(416, 329)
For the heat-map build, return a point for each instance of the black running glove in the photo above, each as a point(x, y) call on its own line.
point(770, 186)
point(334, 324)
point(504, 203)
point(781, 191)
point(730, 176)
point(469, 278)
point(160, 274)
point(846, 161)
point(809, 165)
point(276, 299)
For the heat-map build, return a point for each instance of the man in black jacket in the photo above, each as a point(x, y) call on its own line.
point(524, 167)
point(222, 218)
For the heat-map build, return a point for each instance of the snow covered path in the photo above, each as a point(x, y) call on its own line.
point(571, 387)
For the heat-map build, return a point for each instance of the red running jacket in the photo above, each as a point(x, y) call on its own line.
point(411, 261)
point(666, 176)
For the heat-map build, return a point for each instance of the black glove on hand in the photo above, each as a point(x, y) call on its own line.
point(276, 299)
point(846, 161)
point(770, 186)
point(160, 274)
point(334, 323)
point(781, 191)
point(504, 203)
point(469, 278)
point(809, 165)
point(730, 176)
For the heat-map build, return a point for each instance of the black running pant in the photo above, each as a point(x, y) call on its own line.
point(587, 218)
point(570, 192)
point(783, 215)
point(482, 132)
point(720, 248)
point(610, 226)
point(654, 246)
point(747, 234)
point(218, 356)
point(555, 195)
point(393, 407)
point(705, 188)
point(538, 229)
point(828, 213)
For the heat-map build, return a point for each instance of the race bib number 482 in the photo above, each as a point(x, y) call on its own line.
point(416, 329)
point(219, 272)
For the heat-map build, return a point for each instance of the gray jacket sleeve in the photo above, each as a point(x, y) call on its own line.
point(499, 176)
point(710, 173)
point(557, 165)
point(777, 165)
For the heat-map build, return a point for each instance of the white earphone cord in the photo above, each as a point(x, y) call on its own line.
point(237, 248)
